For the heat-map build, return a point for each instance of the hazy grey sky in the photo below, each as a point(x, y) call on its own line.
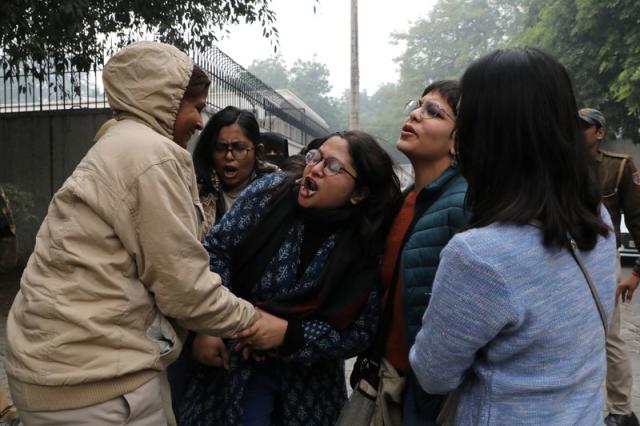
point(325, 35)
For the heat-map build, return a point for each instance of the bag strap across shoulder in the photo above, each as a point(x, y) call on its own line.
point(594, 291)
point(573, 249)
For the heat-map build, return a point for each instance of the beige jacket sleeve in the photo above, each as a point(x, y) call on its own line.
point(160, 231)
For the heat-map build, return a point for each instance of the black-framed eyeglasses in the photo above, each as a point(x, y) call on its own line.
point(332, 166)
point(428, 109)
point(238, 152)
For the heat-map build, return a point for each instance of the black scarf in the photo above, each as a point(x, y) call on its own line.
point(346, 280)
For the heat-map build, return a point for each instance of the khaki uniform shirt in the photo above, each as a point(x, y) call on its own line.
point(620, 191)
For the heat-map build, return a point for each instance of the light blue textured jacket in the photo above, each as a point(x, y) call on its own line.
point(514, 325)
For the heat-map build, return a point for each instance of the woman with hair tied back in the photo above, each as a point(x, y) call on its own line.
point(521, 299)
point(227, 158)
point(306, 253)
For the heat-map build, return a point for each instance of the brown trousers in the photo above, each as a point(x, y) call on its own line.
point(145, 406)
point(619, 378)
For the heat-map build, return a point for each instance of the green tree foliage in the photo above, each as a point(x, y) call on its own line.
point(272, 71)
point(437, 47)
point(381, 115)
point(309, 80)
point(599, 42)
point(75, 32)
point(454, 34)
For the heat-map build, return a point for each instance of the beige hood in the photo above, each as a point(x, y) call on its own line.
point(147, 80)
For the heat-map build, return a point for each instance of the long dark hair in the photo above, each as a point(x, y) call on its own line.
point(203, 152)
point(522, 150)
point(374, 168)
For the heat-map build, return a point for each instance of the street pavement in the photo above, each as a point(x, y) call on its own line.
point(630, 331)
point(631, 334)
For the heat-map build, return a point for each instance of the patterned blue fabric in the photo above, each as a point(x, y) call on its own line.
point(514, 325)
point(311, 381)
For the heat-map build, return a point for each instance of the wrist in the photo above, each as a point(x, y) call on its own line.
point(293, 337)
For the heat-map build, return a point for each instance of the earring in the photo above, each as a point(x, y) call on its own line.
point(454, 159)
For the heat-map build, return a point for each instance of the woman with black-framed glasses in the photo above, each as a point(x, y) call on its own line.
point(227, 158)
point(331, 165)
point(306, 252)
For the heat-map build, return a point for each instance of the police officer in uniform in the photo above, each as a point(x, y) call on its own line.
point(620, 194)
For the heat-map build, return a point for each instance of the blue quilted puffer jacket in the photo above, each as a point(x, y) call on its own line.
point(432, 230)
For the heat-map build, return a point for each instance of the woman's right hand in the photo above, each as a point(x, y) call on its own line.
point(211, 351)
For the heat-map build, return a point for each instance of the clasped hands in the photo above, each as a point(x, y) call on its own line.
point(266, 333)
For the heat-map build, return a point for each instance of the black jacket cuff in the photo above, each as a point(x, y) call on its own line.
point(293, 337)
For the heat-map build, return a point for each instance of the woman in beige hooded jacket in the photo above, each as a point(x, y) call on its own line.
point(117, 256)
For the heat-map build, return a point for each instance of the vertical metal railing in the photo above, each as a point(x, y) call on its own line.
point(42, 88)
point(231, 84)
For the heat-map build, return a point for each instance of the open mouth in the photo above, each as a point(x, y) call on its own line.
point(308, 187)
point(230, 172)
point(407, 130)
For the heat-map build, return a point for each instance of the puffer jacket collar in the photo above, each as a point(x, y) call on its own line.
point(435, 186)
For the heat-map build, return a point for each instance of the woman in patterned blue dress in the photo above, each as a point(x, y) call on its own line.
point(306, 253)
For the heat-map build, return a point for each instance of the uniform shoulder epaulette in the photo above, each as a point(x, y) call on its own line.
point(615, 154)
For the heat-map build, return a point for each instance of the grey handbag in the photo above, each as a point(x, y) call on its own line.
point(360, 408)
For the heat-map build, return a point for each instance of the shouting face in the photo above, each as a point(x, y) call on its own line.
point(234, 156)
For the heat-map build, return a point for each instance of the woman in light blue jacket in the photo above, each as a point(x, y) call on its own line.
point(512, 322)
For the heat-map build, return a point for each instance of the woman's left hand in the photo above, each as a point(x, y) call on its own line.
point(266, 333)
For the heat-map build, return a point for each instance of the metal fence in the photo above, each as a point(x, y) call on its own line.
point(25, 92)
point(231, 84)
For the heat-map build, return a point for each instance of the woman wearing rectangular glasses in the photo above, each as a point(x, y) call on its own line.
point(227, 158)
point(306, 253)
point(432, 211)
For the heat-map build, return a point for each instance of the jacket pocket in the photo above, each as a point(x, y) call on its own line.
point(162, 333)
point(144, 405)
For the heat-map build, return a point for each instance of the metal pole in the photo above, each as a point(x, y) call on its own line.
point(354, 112)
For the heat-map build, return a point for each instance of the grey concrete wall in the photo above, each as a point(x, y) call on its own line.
point(38, 151)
